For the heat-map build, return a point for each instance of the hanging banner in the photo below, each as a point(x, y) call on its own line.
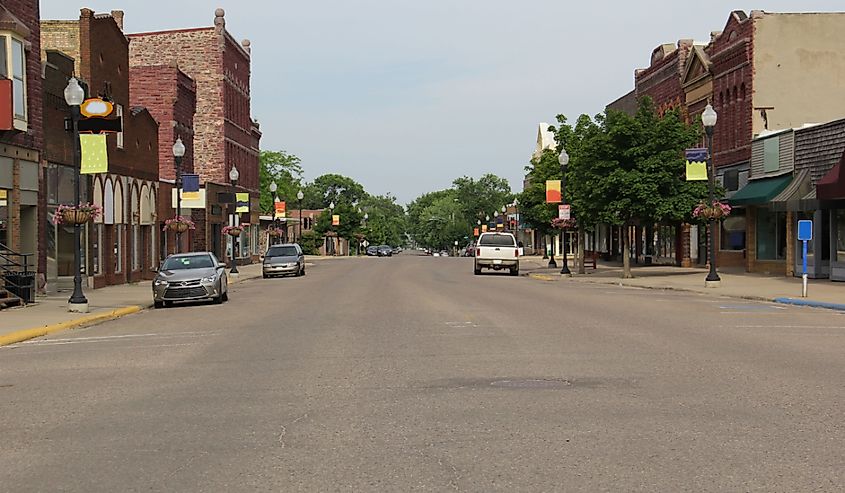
point(242, 202)
point(475, 231)
point(483, 228)
point(190, 186)
point(280, 207)
point(564, 211)
point(696, 164)
point(95, 158)
point(335, 220)
point(552, 191)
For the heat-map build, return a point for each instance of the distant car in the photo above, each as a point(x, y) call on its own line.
point(190, 277)
point(372, 251)
point(444, 253)
point(281, 260)
point(397, 250)
point(385, 251)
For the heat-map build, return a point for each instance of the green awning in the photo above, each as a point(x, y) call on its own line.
point(760, 191)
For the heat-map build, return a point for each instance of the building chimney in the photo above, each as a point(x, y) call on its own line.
point(118, 18)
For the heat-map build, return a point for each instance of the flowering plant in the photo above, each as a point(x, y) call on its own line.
point(79, 214)
point(558, 223)
point(716, 210)
point(179, 223)
point(232, 230)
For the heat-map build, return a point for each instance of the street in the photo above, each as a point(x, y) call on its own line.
point(392, 374)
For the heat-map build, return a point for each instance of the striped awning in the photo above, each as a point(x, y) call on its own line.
point(792, 198)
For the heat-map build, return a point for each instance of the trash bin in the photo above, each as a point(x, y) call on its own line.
point(21, 284)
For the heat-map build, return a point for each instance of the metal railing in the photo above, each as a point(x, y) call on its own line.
point(15, 273)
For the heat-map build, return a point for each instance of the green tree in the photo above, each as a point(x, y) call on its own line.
point(385, 224)
point(285, 170)
point(330, 188)
point(481, 197)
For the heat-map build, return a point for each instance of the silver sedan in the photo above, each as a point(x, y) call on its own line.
point(190, 277)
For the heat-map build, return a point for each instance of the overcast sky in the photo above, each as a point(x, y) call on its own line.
point(406, 95)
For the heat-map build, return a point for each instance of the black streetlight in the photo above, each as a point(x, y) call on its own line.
point(178, 154)
point(299, 197)
point(233, 179)
point(74, 97)
point(496, 219)
point(273, 188)
point(563, 159)
point(331, 217)
point(708, 118)
point(505, 224)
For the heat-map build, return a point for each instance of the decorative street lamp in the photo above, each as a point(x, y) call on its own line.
point(178, 154)
point(516, 212)
point(74, 96)
point(708, 118)
point(299, 197)
point(505, 224)
point(563, 159)
point(273, 188)
point(331, 218)
point(233, 179)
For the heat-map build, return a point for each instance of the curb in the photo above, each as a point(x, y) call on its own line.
point(26, 334)
point(810, 303)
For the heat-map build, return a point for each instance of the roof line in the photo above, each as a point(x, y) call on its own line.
point(188, 30)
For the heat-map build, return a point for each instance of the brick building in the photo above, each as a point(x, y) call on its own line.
point(21, 136)
point(123, 243)
point(224, 133)
point(170, 95)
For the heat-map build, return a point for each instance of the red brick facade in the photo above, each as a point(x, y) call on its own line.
point(122, 243)
point(731, 54)
point(661, 81)
point(221, 68)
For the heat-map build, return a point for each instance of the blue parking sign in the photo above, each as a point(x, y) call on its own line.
point(805, 230)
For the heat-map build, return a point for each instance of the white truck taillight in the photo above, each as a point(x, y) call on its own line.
point(516, 253)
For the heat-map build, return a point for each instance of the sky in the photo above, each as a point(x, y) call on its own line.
point(405, 96)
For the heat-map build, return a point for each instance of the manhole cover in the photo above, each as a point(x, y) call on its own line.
point(531, 383)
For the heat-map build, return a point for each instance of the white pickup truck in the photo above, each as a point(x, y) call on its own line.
point(497, 251)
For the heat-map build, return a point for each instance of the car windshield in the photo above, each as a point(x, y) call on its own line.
point(282, 251)
point(496, 240)
point(191, 262)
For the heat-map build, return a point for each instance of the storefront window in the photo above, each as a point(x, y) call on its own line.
point(733, 231)
point(771, 235)
point(136, 247)
point(98, 250)
point(839, 220)
point(118, 248)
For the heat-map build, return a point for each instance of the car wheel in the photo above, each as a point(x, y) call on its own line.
point(168, 304)
point(477, 270)
point(158, 304)
point(266, 276)
point(515, 271)
point(225, 296)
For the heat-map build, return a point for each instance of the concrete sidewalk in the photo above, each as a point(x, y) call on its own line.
point(49, 314)
point(736, 284)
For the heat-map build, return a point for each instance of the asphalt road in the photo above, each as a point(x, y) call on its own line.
point(393, 374)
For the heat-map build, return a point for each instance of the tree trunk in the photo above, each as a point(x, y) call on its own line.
point(582, 235)
point(626, 253)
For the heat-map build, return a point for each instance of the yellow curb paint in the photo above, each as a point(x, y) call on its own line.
point(543, 277)
point(25, 334)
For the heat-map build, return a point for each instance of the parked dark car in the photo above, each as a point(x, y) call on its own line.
point(280, 260)
point(385, 251)
point(372, 251)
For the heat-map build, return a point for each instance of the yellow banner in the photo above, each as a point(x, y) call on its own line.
point(553, 191)
point(335, 220)
point(95, 158)
point(696, 171)
point(281, 209)
point(190, 195)
point(243, 202)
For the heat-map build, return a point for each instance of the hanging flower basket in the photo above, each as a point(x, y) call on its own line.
point(717, 210)
point(558, 223)
point(179, 224)
point(233, 231)
point(274, 232)
point(81, 214)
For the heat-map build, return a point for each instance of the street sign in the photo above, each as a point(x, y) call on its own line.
point(805, 234)
point(564, 211)
point(366, 243)
point(805, 230)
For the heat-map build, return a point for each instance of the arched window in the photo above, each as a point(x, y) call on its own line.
point(108, 202)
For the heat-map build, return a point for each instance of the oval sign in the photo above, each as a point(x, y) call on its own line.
point(96, 107)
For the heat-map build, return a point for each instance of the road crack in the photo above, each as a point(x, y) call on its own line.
point(284, 431)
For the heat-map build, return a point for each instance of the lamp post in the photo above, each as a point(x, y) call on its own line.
point(299, 197)
point(516, 213)
point(178, 154)
point(74, 96)
point(233, 179)
point(708, 118)
point(273, 188)
point(496, 219)
point(505, 224)
point(563, 159)
point(331, 218)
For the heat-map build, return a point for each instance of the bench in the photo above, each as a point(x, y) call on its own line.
point(590, 257)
